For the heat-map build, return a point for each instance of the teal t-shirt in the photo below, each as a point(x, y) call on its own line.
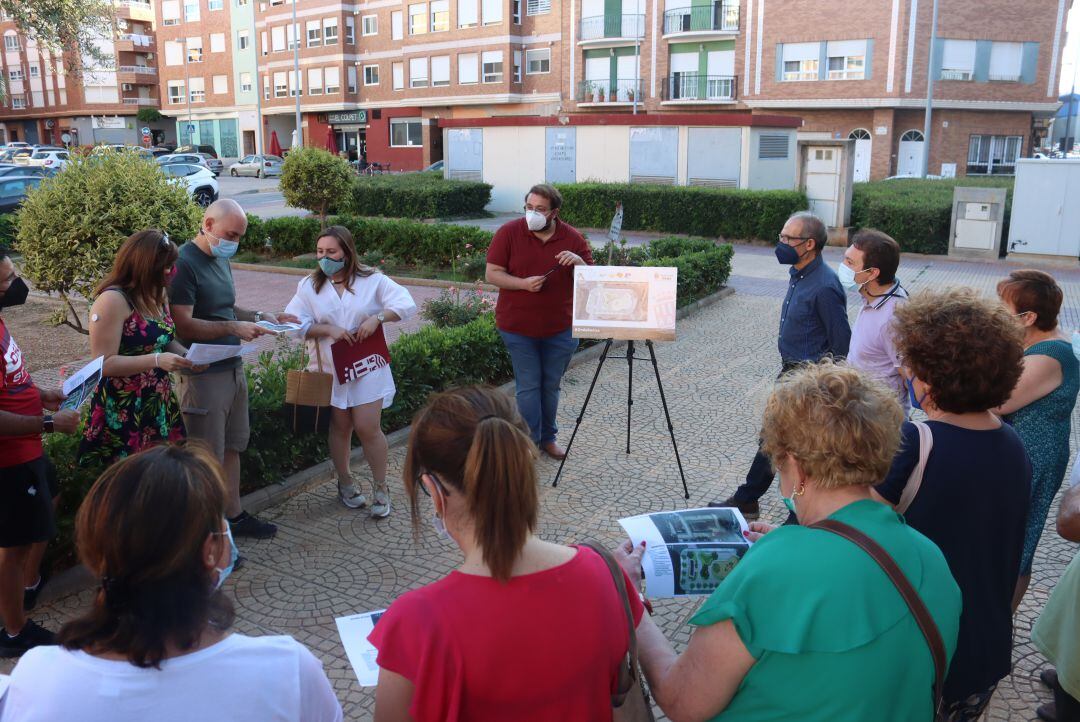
point(832, 636)
point(205, 283)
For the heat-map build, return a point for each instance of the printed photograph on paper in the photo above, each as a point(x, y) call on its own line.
point(625, 302)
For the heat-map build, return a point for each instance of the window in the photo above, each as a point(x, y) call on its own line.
point(191, 10)
point(350, 31)
point(18, 102)
point(847, 59)
point(371, 75)
point(217, 42)
point(194, 50)
point(265, 45)
point(314, 33)
point(221, 84)
point(241, 3)
point(398, 71)
point(294, 88)
point(281, 86)
point(352, 78)
point(35, 71)
point(515, 11)
point(538, 61)
point(330, 31)
point(170, 12)
point(333, 80)
point(16, 74)
point(243, 39)
point(294, 36)
point(993, 154)
point(215, 5)
point(418, 72)
point(369, 25)
point(773, 147)
point(468, 69)
point(176, 92)
point(395, 25)
point(538, 7)
point(266, 87)
point(492, 10)
point(801, 61)
point(957, 60)
point(314, 81)
point(1005, 60)
point(406, 133)
point(245, 82)
point(418, 19)
point(517, 66)
point(277, 39)
point(493, 66)
point(197, 88)
point(466, 13)
point(440, 71)
point(440, 16)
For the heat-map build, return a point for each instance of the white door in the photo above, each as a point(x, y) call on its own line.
point(863, 147)
point(1039, 210)
point(909, 157)
point(821, 178)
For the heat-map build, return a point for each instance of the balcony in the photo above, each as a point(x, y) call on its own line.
point(134, 10)
point(703, 20)
point(136, 74)
point(608, 30)
point(695, 88)
point(134, 42)
point(141, 101)
point(956, 75)
point(610, 92)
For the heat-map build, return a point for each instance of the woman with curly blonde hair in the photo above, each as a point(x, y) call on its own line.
point(963, 478)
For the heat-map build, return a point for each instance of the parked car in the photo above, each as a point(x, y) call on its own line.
point(437, 165)
point(190, 158)
point(260, 166)
point(159, 150)
point(11, 154)
point(14, 144)
point(215, 165)
point(49, 158)
point(120, 147)
point(13, 190)
point(199, 180)
point(208, 149)
point(36, 171)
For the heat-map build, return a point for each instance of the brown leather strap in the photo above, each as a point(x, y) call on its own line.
point(914, 602)
point(620, 585)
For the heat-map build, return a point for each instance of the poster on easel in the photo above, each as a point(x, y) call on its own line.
point(626, 303)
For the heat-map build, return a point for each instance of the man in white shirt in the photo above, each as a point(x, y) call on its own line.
point(869, 266)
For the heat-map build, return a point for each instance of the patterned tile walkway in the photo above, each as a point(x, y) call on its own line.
point(328, 561)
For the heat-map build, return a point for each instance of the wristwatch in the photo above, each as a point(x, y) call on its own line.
point(47, 424)
point(381, 317)
point(258, 316)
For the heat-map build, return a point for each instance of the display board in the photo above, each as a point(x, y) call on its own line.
point(625, 302)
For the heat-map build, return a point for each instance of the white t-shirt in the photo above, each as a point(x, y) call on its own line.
point(239, 679)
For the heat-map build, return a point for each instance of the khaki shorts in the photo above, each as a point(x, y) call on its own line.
point(215, 409)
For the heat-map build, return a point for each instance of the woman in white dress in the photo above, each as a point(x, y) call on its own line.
point(343, 299)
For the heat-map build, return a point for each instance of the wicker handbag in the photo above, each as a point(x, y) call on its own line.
point(307, 399)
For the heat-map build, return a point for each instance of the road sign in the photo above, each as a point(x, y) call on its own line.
point(616, 224)
point(191, 128)
point(146, 130)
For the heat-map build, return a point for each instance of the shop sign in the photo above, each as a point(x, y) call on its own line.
point(347, 117)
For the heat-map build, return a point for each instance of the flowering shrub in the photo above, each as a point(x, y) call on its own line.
point(454, 307)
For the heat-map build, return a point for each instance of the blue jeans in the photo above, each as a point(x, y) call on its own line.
point(539, 365)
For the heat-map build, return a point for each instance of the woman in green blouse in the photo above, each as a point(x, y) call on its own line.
point(808, 626)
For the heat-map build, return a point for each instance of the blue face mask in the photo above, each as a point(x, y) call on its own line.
point(916, 403)
point(234, 554)
point(787, 255)
point(330, 266)
point(847, 277)
point(224, 248)
point(789, 501)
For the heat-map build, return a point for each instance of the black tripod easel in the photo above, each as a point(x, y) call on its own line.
point(630, 358)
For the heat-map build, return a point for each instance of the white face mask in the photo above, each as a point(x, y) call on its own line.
point(535, 220)
point(440, 527)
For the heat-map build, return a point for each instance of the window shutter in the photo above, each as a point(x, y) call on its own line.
point(982, 60)
point(1029, 63)
point(868, 62)
point(935, 61)
point(823, 61)
point(772, 147)
point(779, 62)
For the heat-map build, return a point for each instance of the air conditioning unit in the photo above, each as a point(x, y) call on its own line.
point(128, 86)
point(149, 56)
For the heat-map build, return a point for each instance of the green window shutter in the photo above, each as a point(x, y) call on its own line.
point(982, 60)
point(1029, 63)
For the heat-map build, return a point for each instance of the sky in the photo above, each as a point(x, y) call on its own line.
point(1072, 49)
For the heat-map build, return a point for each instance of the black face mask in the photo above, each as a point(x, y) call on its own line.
point(15, 295)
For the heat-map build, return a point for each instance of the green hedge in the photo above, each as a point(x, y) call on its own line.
point(711, 212)
point(413, 242)
point(416, 195)
point(7, 231)
point(917, 212)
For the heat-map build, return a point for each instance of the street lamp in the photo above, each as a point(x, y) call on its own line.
point(929, 92)
point(296, 70)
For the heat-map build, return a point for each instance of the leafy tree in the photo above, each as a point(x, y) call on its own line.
point(70, 228)
point(316, 180)
point(148, 115)
point(63, 25)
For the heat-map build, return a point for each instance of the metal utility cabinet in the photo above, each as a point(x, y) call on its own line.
point(978, 215)
point(1045, 218)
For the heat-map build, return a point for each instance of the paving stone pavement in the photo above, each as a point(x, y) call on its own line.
point(329, 561)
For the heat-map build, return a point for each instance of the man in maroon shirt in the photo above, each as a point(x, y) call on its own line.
point(531, 260)
point(26, 509)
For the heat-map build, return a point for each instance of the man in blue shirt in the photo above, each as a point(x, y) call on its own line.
point(813, 325)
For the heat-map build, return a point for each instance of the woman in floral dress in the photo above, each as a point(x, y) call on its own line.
point(134, 406)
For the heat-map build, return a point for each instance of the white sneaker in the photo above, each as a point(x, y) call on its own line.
point(381, 508)
point(351, 496)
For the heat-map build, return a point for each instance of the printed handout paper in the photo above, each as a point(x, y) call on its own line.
point(354, 631)
point(201, 354)
point(79, 387)
point(625, 302)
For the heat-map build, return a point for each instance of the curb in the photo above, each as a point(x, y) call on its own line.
point(403, 280)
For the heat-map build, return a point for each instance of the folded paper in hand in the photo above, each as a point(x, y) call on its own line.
point(201, 354)
point(81, 386)
point(354, 631)
point(356, 360)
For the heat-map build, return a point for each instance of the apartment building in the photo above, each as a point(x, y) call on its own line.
point(45, 103)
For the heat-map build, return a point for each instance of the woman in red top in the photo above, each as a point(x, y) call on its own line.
point(524, 629)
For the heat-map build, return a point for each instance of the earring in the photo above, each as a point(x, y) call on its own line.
point(799, 491)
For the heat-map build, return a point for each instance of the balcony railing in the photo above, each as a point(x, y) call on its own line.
point(137, 69)
point(695, 86)
point(956, 75)
point(718, 17)
point(138, 4)
point(613, 26)
point(136, 39)
point(140, 101)
point(621, 90)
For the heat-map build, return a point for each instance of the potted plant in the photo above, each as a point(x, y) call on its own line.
point(596, 88)
point(630, 95)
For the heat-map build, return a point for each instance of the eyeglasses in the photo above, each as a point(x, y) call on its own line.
point(527, 207)
point(165, 242)
point(784, 239)
point(423, 488)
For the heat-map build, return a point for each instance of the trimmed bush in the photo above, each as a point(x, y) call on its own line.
point(7, 231)
point(916, 212)
point(710, 212)
point(315, 179)
point(416, 195)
